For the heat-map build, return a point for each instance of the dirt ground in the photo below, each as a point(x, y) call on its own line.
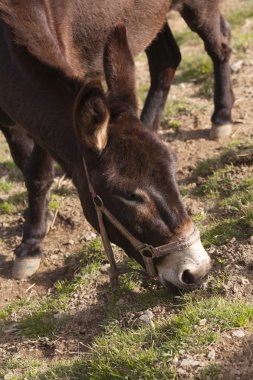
point(190, 140)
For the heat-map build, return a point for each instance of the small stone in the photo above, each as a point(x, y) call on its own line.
point(149, 313)
point(251, 240)
point(181, 352)
point(146, 319)
point(90, 236)
point(8, 376)
point(238, 333)
point(235, 67)
point(104, 269)
point(200, 180)
point(244, 281)
point(190, 363)
point(233, 240)
point(211, 250)
point(181, 371)
point(71, 242)
point(211, 355)
point(202, 322)
point(59, 316)
point(175, 360)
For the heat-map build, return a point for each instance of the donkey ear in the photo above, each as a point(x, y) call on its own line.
point(91, 116)
point(119, 70)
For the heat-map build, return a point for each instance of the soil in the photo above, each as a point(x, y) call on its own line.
point(70, 232)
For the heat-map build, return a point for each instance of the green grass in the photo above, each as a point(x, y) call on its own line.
point(11, 171)
point(236, 153)
point(211, 372)
point(74, 369)
point(238, 17)
point(6, 207)
point(54, 203)
point(174, 109)
point(141, 353)
point(222, 232)
point(220, 183)
point(6, 311)
point(5, 186)
point(195, 68)
point(14, 203)
point(186, 36)
point(133, 352)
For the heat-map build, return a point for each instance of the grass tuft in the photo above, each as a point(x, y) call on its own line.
point(141, 353)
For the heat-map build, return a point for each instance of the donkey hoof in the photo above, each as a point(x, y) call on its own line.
point(25, 266)
point(219, 131)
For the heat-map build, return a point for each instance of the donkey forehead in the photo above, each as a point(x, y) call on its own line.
point(139, 154)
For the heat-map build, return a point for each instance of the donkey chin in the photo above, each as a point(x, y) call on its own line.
point(186, 269)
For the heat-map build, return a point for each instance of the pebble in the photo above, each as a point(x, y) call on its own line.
point(202, 322)
point(211, 250)
point(104, 269)
point(175, 360)
point(238, 333)
point(211, 355)
point(8, 376)
point(251, 240)
point(90, 236)
point(146, 319)
point(235, 67)
point(244, 281)
point(190, 363)
point(181, 371)
point(59, 316)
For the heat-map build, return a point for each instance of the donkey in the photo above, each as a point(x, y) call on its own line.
point(51, 62)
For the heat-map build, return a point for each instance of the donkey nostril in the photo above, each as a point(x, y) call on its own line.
point(188, 278)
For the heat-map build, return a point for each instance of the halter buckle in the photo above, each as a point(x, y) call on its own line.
point(98, 202)
point(147, 251)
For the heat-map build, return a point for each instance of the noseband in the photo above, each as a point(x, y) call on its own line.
point(147, 252)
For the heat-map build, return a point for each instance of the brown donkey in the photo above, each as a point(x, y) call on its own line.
point(51, 59)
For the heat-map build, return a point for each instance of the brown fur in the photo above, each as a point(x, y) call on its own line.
point(54, 32)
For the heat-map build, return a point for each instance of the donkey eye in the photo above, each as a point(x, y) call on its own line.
point(132, 197)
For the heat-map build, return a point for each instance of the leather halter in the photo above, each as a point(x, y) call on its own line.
point(147, 252)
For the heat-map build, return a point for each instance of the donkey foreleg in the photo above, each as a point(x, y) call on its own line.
point(39, 177)
point(163, 58)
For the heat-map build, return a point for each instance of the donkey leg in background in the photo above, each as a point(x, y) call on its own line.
point(215, 32)
point(20, 144)
point(39, 177)
point(163, 59)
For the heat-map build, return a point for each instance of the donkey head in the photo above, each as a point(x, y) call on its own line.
point(132, 170)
